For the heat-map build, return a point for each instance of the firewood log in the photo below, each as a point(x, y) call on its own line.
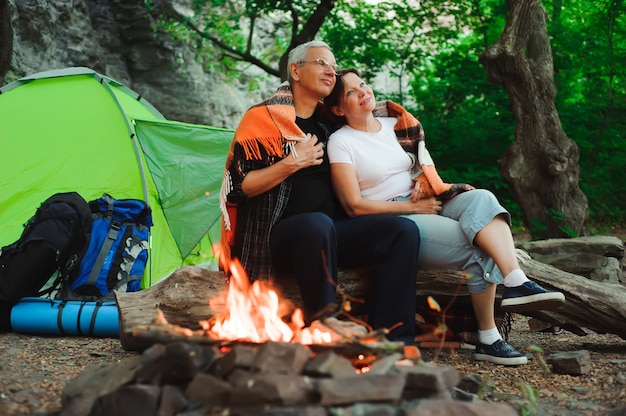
point(191, 294)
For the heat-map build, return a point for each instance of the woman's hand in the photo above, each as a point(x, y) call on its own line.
point(425, 206)
point(417, 193)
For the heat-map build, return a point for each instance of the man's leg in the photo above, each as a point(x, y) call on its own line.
point(304, 246)
point(390, 244)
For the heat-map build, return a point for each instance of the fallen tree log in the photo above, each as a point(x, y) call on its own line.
point(190, 295)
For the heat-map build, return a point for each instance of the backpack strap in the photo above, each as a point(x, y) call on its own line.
point(60, 317)
point(114, 230)
point(79, 331)
point(92, 323)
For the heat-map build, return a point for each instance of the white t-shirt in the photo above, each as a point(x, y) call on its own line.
point(382, 167)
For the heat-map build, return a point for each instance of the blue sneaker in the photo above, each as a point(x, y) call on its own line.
point(500, 352)
point(530, 297)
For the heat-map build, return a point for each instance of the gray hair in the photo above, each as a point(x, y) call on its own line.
point(298, 54)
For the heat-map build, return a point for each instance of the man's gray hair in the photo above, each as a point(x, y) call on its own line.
point(298, 54)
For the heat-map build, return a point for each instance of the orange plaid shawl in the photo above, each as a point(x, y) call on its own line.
point(410, 135)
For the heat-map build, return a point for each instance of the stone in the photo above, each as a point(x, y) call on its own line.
point(570, 362)
point(427, 379)
point(177, 363)
point(471, 383)
point(281, 358)
point(596, 257)
point(329, 364)
point(535, 325)
point(209, 390)
point(366, 409)
point(384, 364)
point(119, 40)
point(458, 408)
point(173, 400)
point(262, 388)
point(136, 400)
point(240, 356)
point(359, 388)
point(97, 380)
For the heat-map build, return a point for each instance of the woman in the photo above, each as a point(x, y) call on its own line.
point(379, 164)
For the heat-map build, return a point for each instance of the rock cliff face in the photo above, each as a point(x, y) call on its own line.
point(115, 38)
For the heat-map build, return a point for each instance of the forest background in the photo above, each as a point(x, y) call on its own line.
point(433, 57)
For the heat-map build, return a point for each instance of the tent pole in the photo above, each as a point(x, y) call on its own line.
point(142, 172)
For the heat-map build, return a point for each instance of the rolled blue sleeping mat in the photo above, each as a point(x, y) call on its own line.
point(65, 317)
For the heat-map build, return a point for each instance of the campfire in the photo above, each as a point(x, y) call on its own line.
point(254, 313)
point(249, 351)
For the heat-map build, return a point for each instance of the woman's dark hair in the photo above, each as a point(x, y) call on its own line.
point(334, 98)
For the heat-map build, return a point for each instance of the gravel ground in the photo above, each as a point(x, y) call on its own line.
point(35, 369)
point(534, 392)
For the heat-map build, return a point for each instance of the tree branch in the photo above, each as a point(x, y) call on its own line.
point(169, 12)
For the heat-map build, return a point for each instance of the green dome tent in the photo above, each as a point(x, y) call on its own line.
point(77, 130)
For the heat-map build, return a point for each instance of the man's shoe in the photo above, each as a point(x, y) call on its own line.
point(500, 352)
point(530, 297)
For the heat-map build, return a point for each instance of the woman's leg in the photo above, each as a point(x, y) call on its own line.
point(483, 304)
point(497, 241)
point(443, 244)
point(487, 224)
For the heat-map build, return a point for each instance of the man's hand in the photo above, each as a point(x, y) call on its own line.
point(307, 153)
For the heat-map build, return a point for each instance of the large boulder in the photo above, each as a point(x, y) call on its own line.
point(119, 39)
point(599, 258)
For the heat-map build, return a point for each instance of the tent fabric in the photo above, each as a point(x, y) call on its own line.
point(188, 175)
point(77, 130)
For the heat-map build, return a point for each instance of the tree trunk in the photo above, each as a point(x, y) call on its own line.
point(309, 30)
point(541, 164)
point(6, 39)
point(192, 294)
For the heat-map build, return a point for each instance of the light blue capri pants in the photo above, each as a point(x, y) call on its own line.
point(447, 238)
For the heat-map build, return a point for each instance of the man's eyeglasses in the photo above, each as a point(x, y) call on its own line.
point(323, 63)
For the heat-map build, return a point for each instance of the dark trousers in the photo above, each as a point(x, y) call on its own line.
point(311, 246)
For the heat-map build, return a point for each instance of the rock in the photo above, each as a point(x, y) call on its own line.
point(456, 408)
point(118, 39)
point(251, 378)
point(597, 257)
point(570, 362)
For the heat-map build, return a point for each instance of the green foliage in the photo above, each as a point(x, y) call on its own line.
point(527, 405)
point(537, 227)
point(589, 41)
point(430, 50)
point(469, 126)
point(486, 384)
point(531, 404)
point(537, 352)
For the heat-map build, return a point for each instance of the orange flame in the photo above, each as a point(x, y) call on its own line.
point(252, 313)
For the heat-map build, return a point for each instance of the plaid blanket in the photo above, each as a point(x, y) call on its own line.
point(266, 134)
point(410, 135)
